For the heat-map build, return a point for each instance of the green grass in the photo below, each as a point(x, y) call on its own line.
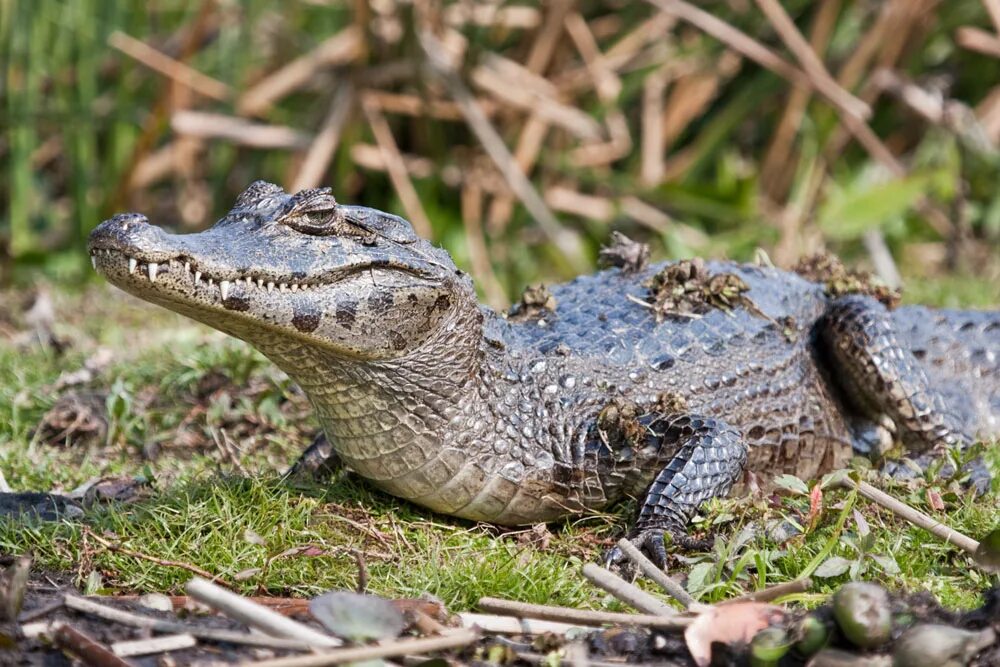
point(276, 538)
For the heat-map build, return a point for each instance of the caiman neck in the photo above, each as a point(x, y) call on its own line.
point(387, 417)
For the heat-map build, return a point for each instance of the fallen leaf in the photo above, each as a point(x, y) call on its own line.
point(833, 567)
point(734, 623)
point(304, 550)
point(934, 500)
point(815, 507)
point(792, 484)
point(253, 537)
point(356, 616)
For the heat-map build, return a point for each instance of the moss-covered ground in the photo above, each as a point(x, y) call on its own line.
point(210, 424)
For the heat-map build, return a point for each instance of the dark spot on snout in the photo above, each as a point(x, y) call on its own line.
point(398, 341)
point(346, 313)
point(305, 321)
point(443, 302)
point(380, 303)
point(237, 302)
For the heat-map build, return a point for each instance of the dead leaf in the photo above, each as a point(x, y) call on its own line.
point(734, 623)
point(77, 418)
point(357, 617)
point(934, 500)
point(538, 536)
point(92, 367)
point(249, 573)
point(253, 537)
point(815, 507)
point(304, 550)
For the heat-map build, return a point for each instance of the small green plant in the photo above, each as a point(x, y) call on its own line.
point(121, 418)
point(730, 566)
point(862, 544)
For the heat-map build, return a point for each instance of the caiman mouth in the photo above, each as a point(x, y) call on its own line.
point(213, 282)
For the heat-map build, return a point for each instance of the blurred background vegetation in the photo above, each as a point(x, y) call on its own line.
point(862, 127)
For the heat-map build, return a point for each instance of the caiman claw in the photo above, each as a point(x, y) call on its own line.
point(649, 542)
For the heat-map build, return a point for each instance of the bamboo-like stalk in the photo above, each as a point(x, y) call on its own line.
point(174, 69)
point(341, 48)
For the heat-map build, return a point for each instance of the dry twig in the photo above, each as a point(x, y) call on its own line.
point(117, 548)
point(811, 63)
point(177, 71)
point(153, 645)
point(584, 616)
point(914, 516)
point(86, 606)
point(90, 652)
point(479, 256)
point(535, 129)
point(256, 616)
point(993, 9)
point(978, 40)
point(397, 170)
point(624, 591)
point(324, 145)
point(343, 47)
point(567, 242)
point(777, 169)
point(206, 125)
point(454, 639)
point(650, 569)
point(511, 625)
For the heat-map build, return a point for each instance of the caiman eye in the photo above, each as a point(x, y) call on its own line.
point(314, 212)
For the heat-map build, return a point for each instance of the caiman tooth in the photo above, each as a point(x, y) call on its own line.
point(270, 287)
point(224, 288)
point(132, 263)
point(187, 267)
point(283, 286)
point(93, 261)
point(152, 269)
point(260, 283)
point(197, 277)
point(295, 287)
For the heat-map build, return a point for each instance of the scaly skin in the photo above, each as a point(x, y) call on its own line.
point(443, 402)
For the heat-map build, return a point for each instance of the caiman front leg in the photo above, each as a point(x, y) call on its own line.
point(319, 462)
point(881, 377)
point(704, 458)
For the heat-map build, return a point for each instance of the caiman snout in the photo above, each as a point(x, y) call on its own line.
point(128, 233)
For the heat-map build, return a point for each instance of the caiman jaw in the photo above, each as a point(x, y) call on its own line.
point(109, 262)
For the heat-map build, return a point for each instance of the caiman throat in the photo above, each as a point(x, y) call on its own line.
point(574, 401)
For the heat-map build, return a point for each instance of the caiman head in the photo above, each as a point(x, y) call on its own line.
point(286, 271)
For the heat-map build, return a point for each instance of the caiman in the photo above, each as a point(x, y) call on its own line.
point(574, 400)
